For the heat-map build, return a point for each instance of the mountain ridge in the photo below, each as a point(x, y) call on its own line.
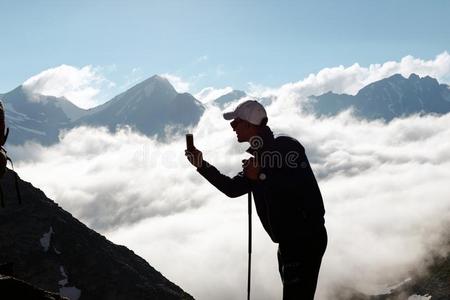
point(153, 106)
point(149, 107)
point(388, 98)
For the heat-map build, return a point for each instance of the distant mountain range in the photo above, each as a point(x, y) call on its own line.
point(37, 117)
point(153, 107)
point(229, 97)
point(52, 250)
point(387, 99)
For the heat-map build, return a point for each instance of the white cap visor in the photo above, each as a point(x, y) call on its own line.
point(229, 115)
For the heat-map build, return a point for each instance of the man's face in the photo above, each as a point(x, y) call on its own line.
point(244, 130)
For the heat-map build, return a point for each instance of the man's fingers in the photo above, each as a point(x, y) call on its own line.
point(247, 162)
point(192, 152)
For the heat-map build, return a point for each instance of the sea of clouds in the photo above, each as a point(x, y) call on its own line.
point(385, 189)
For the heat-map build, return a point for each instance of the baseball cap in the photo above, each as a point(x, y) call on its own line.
point(251, 111)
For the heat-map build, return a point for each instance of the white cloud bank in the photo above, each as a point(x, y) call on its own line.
point(82, 86)
point(385, 188)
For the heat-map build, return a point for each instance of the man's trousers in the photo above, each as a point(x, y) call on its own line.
point(299, 263)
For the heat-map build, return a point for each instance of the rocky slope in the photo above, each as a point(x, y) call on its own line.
point(54, 251)
point(14, 288)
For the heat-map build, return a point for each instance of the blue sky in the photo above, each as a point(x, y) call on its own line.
point(215, 43)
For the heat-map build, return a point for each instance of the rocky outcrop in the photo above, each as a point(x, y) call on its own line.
point(52, 250)
point(13, 288)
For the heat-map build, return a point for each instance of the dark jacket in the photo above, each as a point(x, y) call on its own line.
point(288, 200)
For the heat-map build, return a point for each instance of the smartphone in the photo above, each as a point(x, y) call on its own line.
point(190, 141)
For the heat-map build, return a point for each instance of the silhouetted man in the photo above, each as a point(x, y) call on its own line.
point(287, 198)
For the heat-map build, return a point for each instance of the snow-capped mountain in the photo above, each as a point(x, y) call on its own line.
point(52, 250)
point(223, 101)
point(37, 117)
point(229, 97)
point(388, 98)
point(152, 107)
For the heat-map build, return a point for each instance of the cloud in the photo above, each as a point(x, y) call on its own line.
point(82, 86)
point(179, 84)
point(94, 181)
point(385, 191)
point(209, 93)
point(385, 188)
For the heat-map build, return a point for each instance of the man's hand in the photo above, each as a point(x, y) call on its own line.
point(251, 168)
point(195, 157)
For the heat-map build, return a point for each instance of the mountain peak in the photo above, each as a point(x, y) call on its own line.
point(158, 78)
point(396, 76)
point(156, 87)
point(413, 76)
point(157, 82)
point(229, 97)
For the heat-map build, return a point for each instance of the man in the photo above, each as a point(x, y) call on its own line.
point(287, 198)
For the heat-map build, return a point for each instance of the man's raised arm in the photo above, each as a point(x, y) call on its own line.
point(232, 187)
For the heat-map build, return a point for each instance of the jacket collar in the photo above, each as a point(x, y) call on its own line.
point(263, 141)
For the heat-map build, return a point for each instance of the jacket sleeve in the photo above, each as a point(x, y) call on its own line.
point(232, 187)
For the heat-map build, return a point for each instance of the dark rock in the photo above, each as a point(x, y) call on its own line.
point(12, 288)
point(7, 269)
point(54, 251)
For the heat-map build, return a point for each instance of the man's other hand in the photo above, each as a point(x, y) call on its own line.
point(251, 168)
point(195, 157)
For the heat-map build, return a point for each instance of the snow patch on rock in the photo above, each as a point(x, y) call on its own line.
point(70, 292)
point(418, 297)
point(46, 238)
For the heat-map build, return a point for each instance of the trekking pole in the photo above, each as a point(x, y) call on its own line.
point(249, 243)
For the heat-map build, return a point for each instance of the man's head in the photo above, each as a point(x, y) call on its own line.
point(248, 119)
